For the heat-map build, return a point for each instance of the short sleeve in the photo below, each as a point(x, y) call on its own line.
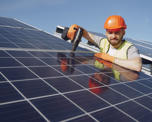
point(133, 52)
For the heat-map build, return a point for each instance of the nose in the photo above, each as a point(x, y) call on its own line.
point(113, 35)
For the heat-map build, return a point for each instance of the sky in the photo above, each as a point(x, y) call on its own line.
point(89, 14)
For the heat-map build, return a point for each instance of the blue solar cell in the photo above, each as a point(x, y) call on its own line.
point(15, 112)
point(8, 45)
point(3, 39)
point(82, 80)
point(110, 95)
point(8, 62)
point(140, 87)
point(67, 71)
point(87, 101)
point(63, 84)
point(57, 108)
point(25, 45)
point(82, 119)
point(3, 54)
point(8, 93)
point(12, 22)
point(19, 53)
point(45, 72)
point(131, 93)
point(50, 61)
point(146, 101)
point(31, 62)
point(2, 78)
point(140, 113)
point(40, 54)
point(85, 69)
point(147, 83)
point(111, 114)
point(17, 73)
point(34, 88)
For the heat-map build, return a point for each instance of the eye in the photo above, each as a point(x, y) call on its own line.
point(117, 32)
point(109, 32)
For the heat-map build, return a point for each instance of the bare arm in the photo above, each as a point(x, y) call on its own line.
point(133, 64)
point(89, 36)
point(129, 75)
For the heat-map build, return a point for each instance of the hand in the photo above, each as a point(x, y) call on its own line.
point(105, 56)
point(72, 31)
point(105, 63)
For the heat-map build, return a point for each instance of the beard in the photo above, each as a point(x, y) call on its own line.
point(115, 41)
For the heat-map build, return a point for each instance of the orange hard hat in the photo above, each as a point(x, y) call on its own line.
point(115, 22)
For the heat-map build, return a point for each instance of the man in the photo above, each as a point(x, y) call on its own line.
point(114, 48)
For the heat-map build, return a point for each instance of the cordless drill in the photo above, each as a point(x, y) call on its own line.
point(74, 33)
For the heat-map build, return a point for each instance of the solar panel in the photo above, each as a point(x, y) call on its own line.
point(143, 46)
point(36, 86)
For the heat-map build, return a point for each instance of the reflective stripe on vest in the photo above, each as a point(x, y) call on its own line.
point(99, 65)
point(121, 51)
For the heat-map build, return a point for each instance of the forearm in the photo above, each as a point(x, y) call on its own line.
point(128, 74)
point(89, 36)
point(133, 64)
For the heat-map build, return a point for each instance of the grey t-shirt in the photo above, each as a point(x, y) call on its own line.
point(132, 51)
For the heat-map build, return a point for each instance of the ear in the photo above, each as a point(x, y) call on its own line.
point(123, 31)
point(106, 33)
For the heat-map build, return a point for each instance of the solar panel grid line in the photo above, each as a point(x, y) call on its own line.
point(118, 103)
point(83, 89)
point(109, 103)
point(125, 81)
point(136, 90)
point(14, 42)
point(57, 91)
point(42, 50)
point(11, 102)
point(11, 67)
point(72, 75)
point(144, 85)
point(103, 100)
point(143, 42)
point(67, 97)
point(3, 82)
point(7, 39)
point(26, 98)
point(127, 96)
point(6, 26)
point(20, 80)
point(20, 39)
point(98, 110)
point(31, 66)
point(73, 118)
point(18, 23)
point(26, 24)
point(133, 100)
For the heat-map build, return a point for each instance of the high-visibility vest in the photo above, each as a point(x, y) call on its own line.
point(121, 52)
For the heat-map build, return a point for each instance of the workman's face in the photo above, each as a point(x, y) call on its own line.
point(115, 37)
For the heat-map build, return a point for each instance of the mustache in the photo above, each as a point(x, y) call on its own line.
point(114, 38)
